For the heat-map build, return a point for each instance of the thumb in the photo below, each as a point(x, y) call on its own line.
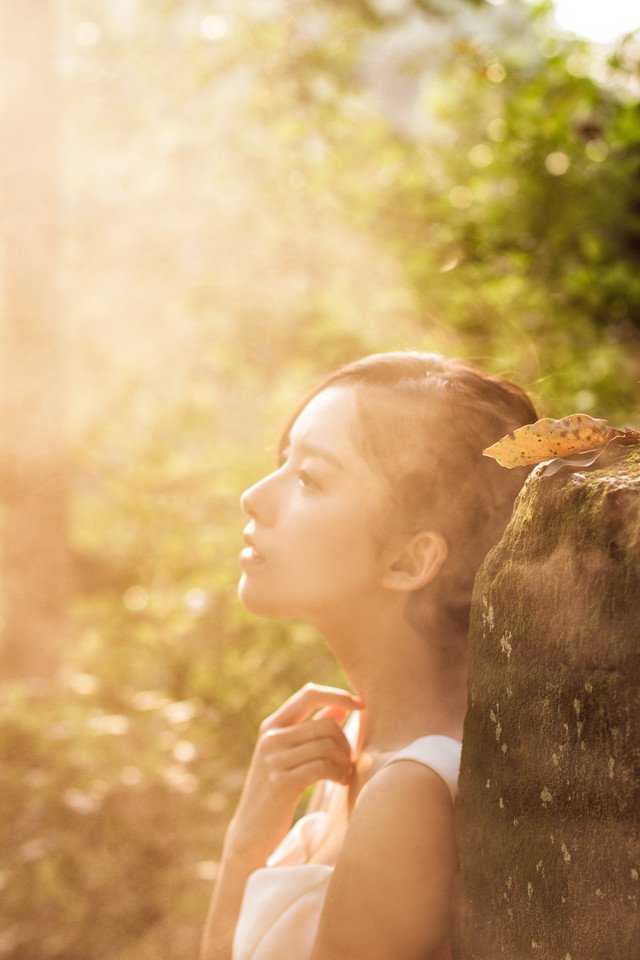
point(339, 714)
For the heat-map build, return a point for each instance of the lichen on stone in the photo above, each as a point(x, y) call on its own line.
point(563, 585)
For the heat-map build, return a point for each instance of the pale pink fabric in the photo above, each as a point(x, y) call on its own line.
point(283, 901)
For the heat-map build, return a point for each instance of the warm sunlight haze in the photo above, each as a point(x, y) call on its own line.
point(207, 207)
point(599, 20)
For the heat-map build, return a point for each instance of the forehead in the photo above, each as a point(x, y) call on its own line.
point(331, 417)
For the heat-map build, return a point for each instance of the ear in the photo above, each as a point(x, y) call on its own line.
point(417, 563)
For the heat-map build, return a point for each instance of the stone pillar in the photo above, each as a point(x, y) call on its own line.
point(548, 817)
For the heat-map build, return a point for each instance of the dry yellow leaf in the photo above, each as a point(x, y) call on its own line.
point(547, 439)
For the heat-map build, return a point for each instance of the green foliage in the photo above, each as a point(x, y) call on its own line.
point(110, 820)
point(518, 223)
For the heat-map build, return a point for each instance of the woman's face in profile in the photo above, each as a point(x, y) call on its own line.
point(313, 552)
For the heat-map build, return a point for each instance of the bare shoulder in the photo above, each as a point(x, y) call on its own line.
point(390, 894)
point(404, 781)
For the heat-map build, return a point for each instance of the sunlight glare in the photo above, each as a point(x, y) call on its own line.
point(214, 27)
point(86, 33)
point(600, 22)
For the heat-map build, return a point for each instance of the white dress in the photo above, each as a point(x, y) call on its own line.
point(282, 902)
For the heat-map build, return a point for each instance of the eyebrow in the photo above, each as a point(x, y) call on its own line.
point(315, 451)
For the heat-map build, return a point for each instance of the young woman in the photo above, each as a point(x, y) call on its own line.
point(371, 528)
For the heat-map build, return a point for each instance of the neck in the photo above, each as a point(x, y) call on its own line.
point(410, 687)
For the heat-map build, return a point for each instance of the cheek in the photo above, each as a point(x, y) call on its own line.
point(330, 555)
point(341, 549)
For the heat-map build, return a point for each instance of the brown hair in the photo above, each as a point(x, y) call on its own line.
point(425, 421)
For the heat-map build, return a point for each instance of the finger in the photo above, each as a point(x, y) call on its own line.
point(309, 731)
point(325, 749)
point(303, 776)
point(339, 714)
point(308, 699)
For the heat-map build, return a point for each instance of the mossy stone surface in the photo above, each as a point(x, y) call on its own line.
point(548, 816)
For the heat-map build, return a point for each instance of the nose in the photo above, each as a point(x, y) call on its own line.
point(246, 500)
point(257, 502)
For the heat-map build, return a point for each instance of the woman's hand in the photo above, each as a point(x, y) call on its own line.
point(293, 751)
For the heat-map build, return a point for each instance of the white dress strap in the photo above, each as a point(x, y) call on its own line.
point(283, 901)
point(440, 754)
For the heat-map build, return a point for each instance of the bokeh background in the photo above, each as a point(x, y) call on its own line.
point(208, 204)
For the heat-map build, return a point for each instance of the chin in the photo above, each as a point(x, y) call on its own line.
point(258, 600)
point(254, 603)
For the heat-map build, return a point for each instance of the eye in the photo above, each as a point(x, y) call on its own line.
point(306, 479)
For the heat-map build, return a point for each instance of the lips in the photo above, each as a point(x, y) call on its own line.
point(253, 552)
point(248, 539)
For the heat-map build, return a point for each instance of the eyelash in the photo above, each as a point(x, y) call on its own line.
point(307, 481)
